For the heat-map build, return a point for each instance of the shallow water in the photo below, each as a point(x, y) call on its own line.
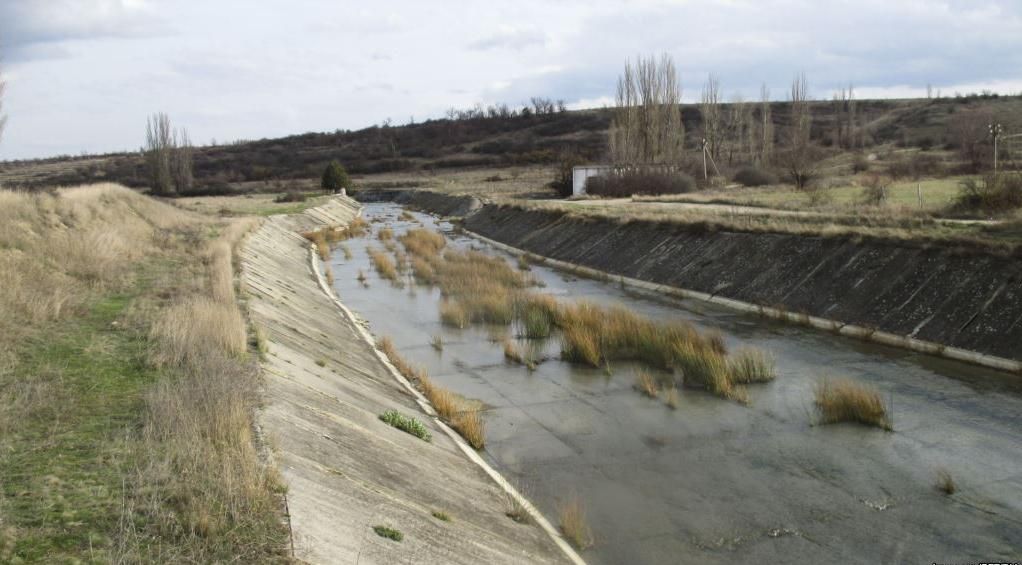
point(715, 481)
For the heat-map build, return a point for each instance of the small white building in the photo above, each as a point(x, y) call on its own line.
point(579, 175)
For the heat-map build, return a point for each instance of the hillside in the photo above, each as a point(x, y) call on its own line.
point(509, 141)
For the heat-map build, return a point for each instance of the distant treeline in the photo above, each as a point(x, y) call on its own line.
point(543, 132)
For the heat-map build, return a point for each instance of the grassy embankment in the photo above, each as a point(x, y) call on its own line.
point(905, 228)
point(127, 387)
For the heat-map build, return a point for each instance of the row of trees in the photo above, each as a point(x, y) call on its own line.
point(168, 155)
point(537, 106)
point(647, 127)
point(3, 117)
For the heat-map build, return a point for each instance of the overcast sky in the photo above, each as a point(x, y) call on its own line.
point(83, 74)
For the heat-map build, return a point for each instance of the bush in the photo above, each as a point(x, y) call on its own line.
point(753, 176)
point(874, 191)
point(991, 194)
point(290, 196)
point(335, 177)
point(860, 163)
point(565, 170)
point(623, 185)
point(918, 165)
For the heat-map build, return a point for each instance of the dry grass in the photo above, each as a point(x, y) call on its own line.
point(113, 279)
point(903, 227)
point(573, 523)
point(647, 384)
point(459, 412)
point(453, 314)
point(749, 365)
point(193, 325)
point(511, 352)
point(945, 483)
point(671, 398)
point(423, 242)
point(383, 264)
point(843, 400)
point(385, 234)
point(325, 237)
point(437, 341)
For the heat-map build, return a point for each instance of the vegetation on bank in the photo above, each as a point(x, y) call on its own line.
point(127, 389)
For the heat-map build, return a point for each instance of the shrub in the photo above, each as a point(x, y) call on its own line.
point(631, 182)
point(335, 177)
point(860, 164)
point(874, 190)
point(848, 401)
point(291, 196)
point(389, 533)
point(406, 424)
point(992, 193)
point(562, 183)
point(753, 176)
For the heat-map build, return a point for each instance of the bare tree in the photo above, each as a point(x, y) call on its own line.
point(766, 128)
point(709, 107)
point(647, 126)
point(800, 157)
point(158, 148)
point(181, 161)
point(3, 117)
point(737, 138)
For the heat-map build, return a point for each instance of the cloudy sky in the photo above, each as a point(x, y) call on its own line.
point(83, 74)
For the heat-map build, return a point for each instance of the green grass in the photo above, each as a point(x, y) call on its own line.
point(406, 424)
point(63, 464)
point(389, 533)
point(441, 515)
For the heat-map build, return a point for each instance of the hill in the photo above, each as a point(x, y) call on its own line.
point(481, 139)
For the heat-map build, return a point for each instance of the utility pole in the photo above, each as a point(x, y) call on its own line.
point(706, 175)
point(995, 132)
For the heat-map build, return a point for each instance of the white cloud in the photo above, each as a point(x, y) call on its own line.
point(241, 69)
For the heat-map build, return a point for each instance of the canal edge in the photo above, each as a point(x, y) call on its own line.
point(424, 404)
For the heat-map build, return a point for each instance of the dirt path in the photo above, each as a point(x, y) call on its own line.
point(737, 209)
point(346, 470)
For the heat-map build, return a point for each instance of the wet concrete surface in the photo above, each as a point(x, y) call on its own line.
point(715, 481)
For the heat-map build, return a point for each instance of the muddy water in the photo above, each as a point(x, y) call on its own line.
point(714, 481)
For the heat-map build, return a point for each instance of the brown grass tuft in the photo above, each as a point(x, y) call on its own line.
point(647, 384)
point(844, 400)
point(945, 483)
point(383, 264)
point(573, 523)
point(749, 365)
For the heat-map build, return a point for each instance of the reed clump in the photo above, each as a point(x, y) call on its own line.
point(459, 412)
point(423, 243)
point(843, 400)
point(574, 524)
point(383, 264)
point(647, 384)
point(748, 365)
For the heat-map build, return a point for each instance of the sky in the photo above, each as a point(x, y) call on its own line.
point(83, 75)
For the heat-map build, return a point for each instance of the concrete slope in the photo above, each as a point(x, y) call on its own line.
point(346, 470)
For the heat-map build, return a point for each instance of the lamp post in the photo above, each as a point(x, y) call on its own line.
point(995, 132)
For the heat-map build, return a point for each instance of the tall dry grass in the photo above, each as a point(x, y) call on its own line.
point(459, 412)
point(573, 523)
point(383, 264)
point(199, 491)
point(843, 400)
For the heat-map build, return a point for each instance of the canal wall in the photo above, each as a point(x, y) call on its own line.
point(963, 305)
point(325, 386)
